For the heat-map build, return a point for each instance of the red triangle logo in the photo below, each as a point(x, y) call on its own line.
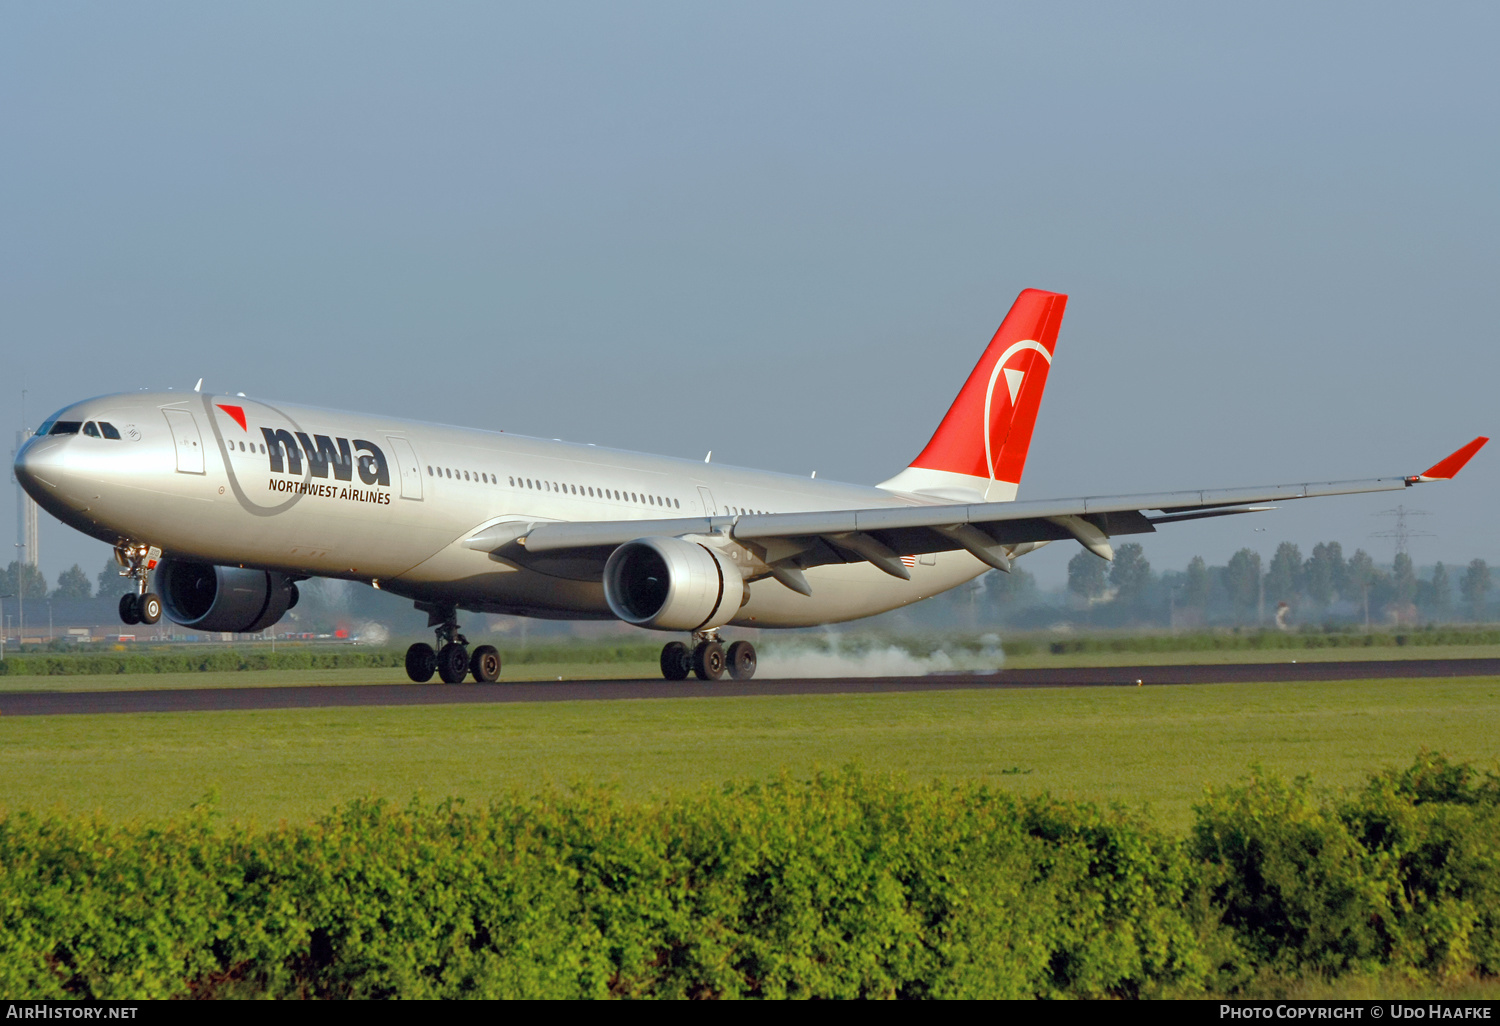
point(237, 412)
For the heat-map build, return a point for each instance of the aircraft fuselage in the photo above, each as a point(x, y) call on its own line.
point(304, 491)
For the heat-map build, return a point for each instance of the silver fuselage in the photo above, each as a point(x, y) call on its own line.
point(313, 492)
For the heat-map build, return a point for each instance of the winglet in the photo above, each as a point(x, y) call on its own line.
point(1448, 468)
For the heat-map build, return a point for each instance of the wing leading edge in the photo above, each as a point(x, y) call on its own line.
point(994, 532)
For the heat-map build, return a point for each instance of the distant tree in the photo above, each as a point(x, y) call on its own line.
point(111, 584)
point(1130, 574)
point(1010, 589)
point(1361, 578)
point(1438, 595)
point(1324, 573)
point(1086, 575)
point(1403, 586)
point(23, 581)
point(1195, 584)
point(73, 584)
point(1242, 579)
point(1284, 578)
point(1476, 587)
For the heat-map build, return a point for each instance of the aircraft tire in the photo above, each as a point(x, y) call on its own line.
point(676, 661)
point(708, 661)
point(741, 660)
point(453, 663)
point(148, 607)
point(421, 663)
point(130, 609)
point(484, 664)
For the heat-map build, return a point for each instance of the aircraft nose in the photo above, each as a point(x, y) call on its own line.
point(38, 466)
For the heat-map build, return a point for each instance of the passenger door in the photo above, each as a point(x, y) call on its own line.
point(407, 466)
point(186, 437)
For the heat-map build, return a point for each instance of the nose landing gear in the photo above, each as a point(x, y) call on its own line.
point(707, 659)
point(451, 660)
point(138, 561)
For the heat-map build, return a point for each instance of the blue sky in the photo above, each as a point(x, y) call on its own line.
point(783, 232)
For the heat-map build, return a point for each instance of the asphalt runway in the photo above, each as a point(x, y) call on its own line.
point(63, 703)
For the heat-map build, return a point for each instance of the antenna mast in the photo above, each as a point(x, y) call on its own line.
point(1401, 532)
point(26, 510)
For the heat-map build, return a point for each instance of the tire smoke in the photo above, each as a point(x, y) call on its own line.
point(833, 655)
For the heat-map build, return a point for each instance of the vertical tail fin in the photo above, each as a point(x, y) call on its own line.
point(979, 450)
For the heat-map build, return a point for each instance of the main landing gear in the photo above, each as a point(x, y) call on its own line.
point(451, 660)
point(141, 606)
point(707, 659)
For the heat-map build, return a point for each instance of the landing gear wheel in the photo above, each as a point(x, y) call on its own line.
point(676, 661)
point(708, 661)
point(421, 662)
point(453, 663)
point(148, 607)
point(485, 664)
point(130, 609)
point(741, 660)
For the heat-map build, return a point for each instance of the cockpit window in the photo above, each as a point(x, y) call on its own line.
point(110, 431)
point(91, 430)
point(65, 427)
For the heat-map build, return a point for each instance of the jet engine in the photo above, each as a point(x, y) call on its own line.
point(222, 598)
point(673, 584)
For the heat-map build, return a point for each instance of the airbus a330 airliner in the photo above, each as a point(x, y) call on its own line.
point(226, 502)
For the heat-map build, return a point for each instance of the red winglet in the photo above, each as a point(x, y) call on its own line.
point(1450, 467)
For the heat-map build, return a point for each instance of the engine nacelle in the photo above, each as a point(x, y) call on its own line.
point(672, 584)
point(222, 598)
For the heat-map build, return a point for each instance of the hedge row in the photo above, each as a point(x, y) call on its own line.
point(226, 660)
point(844, 886)
point(214, 660)
point(1275, 640)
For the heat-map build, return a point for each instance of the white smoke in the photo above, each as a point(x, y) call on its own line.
point(834, 656)
point(371, 633)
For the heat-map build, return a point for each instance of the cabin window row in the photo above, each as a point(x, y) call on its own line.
point(534, 484)
point(462, 475)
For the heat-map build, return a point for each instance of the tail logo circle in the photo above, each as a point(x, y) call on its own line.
point(1013, 385)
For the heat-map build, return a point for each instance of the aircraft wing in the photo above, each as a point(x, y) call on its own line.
point(786, 543)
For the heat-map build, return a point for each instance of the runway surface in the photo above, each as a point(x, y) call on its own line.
point(56, 703)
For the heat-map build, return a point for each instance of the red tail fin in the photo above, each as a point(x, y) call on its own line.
point(980, 447)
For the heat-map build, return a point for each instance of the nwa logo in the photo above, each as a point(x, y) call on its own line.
point(325, 455)
point(322, 456)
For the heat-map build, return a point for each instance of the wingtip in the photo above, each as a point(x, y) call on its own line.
point(1448, 468)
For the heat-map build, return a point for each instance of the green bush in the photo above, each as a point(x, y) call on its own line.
point(1404, 874)
point(1439, 825)
point(1298, 890)
point(840, 887)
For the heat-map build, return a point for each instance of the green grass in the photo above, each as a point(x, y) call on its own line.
point(1156, 746)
